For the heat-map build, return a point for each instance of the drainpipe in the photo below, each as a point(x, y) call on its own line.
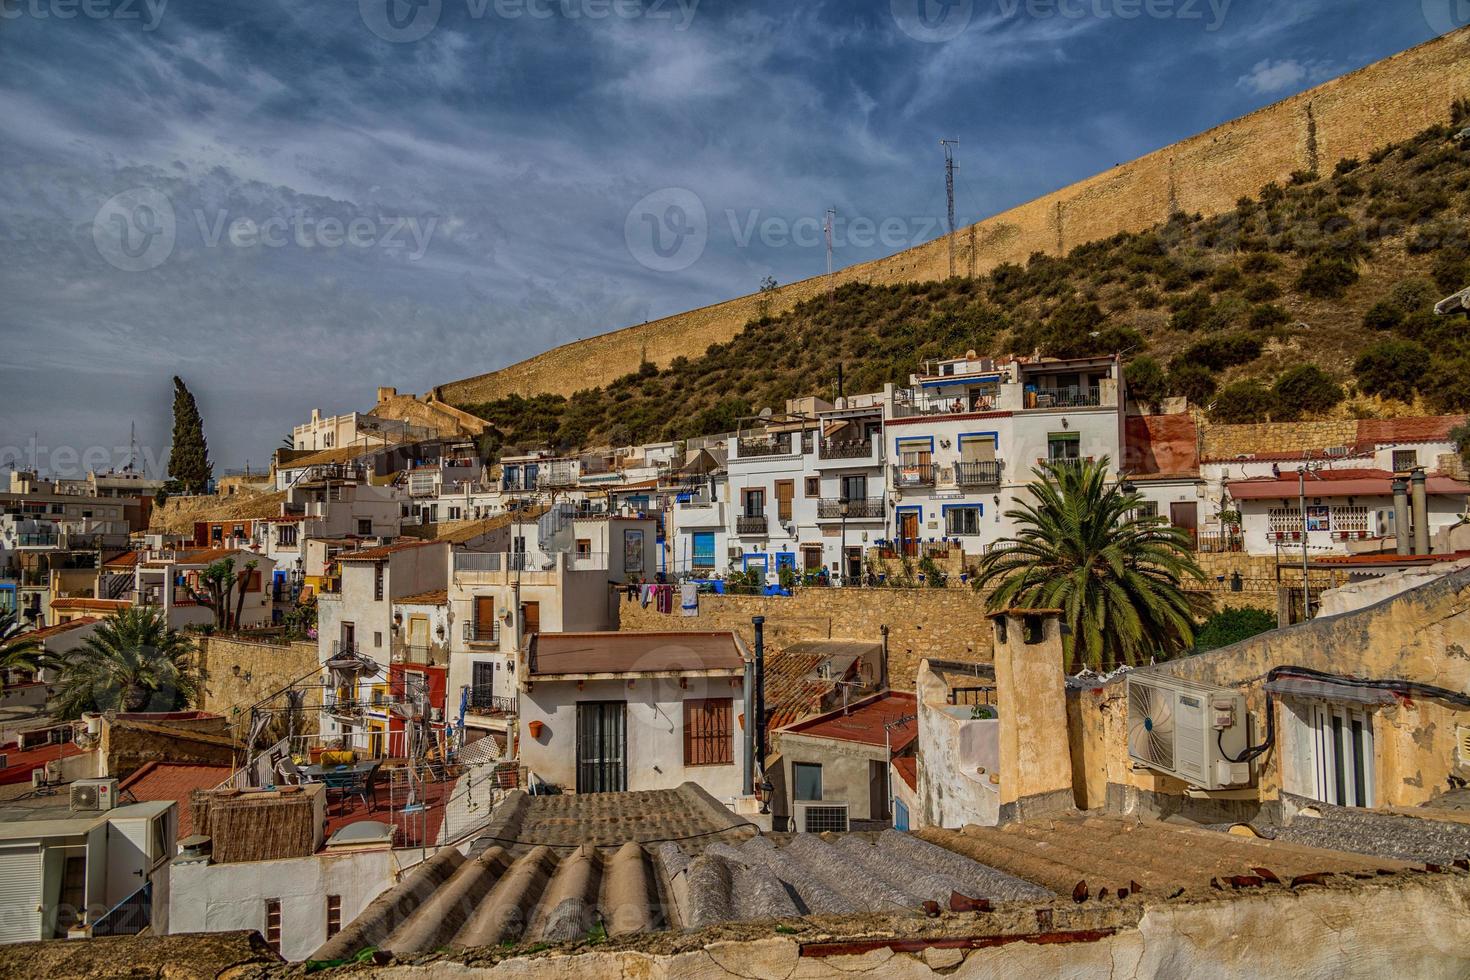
point(750, 726)
point(1401, 514)
point(883, 667)
point(759, 622)
point(1419, 499)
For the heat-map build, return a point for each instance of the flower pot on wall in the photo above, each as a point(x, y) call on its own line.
point(536, 728)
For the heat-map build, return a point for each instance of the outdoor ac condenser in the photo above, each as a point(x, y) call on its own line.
point(816, 818)
point(94, 794)
point(1187, 730)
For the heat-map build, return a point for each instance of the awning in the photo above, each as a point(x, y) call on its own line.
point(1327, 690)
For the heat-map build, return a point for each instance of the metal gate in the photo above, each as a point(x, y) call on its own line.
point(602, 746)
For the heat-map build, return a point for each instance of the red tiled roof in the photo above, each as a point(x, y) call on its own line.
point(907, 767)
point(45, 633)
point(18, 765)
point(126, 559)
point(1285, 456)
point(174, 781)
point(436, 598)
point(1432, 428)
point(1337, 483)
point(1390, 559)
point(104, 605)
point(633, 653)
point(864, 721)
point(375, 554)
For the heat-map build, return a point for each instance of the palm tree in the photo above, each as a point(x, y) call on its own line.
point(131, 662)
point(18, 651)
point(1117, 576)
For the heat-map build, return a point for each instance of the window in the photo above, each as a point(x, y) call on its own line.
point(334, 915)
point(379, 573)
point(708, 739)
point(785, 490)
point(454, 513)
point(755, 503)
point(273, 923)
point(977, 449)
point(286, 535)
point(704, 549)
point(814, 486)
point(378, 641)
point(584, 547)
point(365, 527)
point(1061, 446)
point(1405, 460)
point(854, 488)
point(962, 520)
point(1343, 743)
point(806, 781)
point(915, 452)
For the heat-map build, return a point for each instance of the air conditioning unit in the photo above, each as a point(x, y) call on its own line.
point(1384, 524)
point(94, 794)
point(1187, 730)
point(818, 818)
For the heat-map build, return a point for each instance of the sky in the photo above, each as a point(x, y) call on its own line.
point(290, 203)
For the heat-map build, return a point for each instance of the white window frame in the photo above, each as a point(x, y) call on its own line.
point(1331, 754)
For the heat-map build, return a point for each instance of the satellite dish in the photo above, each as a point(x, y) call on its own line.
point(766, 412)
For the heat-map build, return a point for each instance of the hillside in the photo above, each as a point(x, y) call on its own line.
point(1312, 297)
point(1348, 116)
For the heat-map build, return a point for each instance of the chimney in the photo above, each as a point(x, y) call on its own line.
point(1401, 514)
point(1031, 703)
point(1419, 501)
point(750, 786)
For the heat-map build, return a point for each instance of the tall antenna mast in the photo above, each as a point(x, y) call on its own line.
point(949, 194)
point(132, 447)
point(827, 229)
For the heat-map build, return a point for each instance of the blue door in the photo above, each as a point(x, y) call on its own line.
point(900, 816)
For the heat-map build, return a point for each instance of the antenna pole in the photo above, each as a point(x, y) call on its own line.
point(949, 194)
point(827, 229)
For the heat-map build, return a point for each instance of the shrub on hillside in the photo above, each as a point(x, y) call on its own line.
point(1326, 278)
point(1446, 385)
point(1146, 382)
point(1383, 315)
point(1392, 368)
point(1232, 626)
point(1451, 271)
point(1260, 262)
point(1241, 402)
point(1304, 389)
point(1222, 351)
point(1267, 316)
point(1194, 381)
point(1261, 291)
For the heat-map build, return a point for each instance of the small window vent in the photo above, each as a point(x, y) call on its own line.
point(1462, 742)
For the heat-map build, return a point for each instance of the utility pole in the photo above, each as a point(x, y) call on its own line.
point(827, 229)
point(949, 195)
point(1301, 478)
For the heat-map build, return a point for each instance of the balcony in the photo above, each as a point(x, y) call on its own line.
point(482, 702)
point(870, 509)
point(37, 540)
point(1227, 541)
point(1074, 396)
point(746, 524)
point(757, 446)
point(421, 656)
point(986, 473)
point(485, 635)
point(917, 402)
point(699, 514)
point(846, 449)
point(557, 477)
point(910, 475)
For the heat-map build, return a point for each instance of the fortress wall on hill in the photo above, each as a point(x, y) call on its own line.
point(1346, 117)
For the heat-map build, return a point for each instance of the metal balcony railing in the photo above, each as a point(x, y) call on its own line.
point(129, 917)
point(482, 701)
point(846, 449)
point(478, 633)
point(912, 402)
point(985, 473)
point(751, 525)
point(1072, 396)
point(763, 446)
point(870, 508)
point(913, 475)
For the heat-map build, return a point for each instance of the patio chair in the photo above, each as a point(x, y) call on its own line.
point(350, 783)
point(288, 773)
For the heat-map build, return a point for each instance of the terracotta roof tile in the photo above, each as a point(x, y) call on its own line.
point(175, 781)
point(438, 597)
point(554, 654)
point(103, 605)
point(47, 632)
point(384, 551)
point(1432, 428)
point(864, 721)
point(907, 767)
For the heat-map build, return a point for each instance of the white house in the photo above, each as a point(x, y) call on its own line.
point(609, 712)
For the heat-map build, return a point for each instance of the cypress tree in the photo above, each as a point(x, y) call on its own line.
point(188, 460)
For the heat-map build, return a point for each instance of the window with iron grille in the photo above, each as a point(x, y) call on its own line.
point(814, 486)
point(708, 739)
point(378, 575)
point(821, 819)
point(273, 923)
point(962, 520)
point(1405, 460)
point(1285, 519)
point(334, 915)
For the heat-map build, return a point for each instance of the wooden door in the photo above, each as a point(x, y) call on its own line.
point(530, 619)
point(908, 531)
point(1185, 516)
point(484, 625)
point(785, 490)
